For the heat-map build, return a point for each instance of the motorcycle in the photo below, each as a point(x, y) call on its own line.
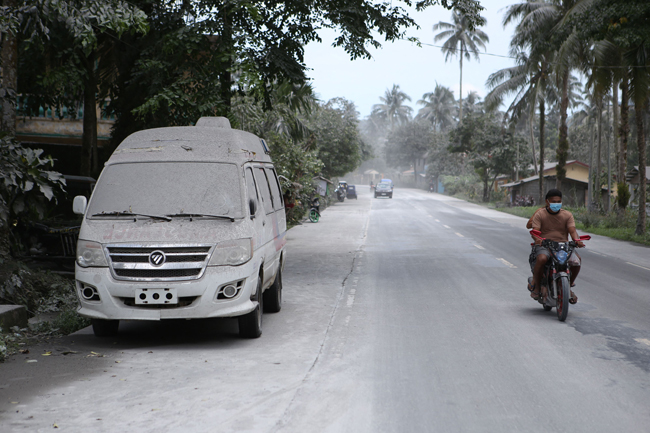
point(340, 194)
point(430, 187)
point(556, 277)
point(314, 211)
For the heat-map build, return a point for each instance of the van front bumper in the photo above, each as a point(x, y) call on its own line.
point(198, 298)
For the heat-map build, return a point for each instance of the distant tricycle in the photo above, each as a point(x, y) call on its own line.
point(352, 192)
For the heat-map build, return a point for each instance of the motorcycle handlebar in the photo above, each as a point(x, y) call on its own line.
point(538, 235)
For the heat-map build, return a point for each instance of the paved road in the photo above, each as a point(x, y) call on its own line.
point(402, 315)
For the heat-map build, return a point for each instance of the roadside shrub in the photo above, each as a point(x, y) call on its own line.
point(622, 195)
point(466, 186)
point(39, 291)
point(590, 219)
point(27, 182)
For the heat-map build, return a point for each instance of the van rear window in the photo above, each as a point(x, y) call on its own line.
point(163, 188)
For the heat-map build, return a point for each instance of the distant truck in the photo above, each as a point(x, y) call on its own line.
point(184, 223)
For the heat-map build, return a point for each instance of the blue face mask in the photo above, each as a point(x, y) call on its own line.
point(555, 207)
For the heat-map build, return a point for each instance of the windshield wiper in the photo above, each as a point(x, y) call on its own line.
point(199, 215)
point(121, 213)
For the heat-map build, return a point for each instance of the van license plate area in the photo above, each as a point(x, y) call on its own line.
point(156, 296)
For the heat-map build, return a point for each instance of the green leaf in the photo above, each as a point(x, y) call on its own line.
point(47, 191)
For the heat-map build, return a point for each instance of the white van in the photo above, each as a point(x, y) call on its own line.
point(184, 223)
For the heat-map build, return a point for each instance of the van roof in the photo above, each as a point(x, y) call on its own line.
point(212, 140)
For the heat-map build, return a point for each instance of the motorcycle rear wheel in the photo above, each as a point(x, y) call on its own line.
point(563, 290)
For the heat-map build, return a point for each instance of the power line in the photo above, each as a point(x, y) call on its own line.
point(514, 58)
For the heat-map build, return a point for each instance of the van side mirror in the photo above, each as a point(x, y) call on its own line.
point(252, 206)
point(79, 205)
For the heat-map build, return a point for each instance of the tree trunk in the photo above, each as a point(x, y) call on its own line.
point(563, 143)
point(89, 136)
point(227, 48)
point(620, 177)
point(9, 77)
point(460, 115)
point(640, 141)
point(590, 189)
point(542, 120)
point(598, 186)
point(532, 137)
point(486, 195)
point(608, 202)
point(624, 129)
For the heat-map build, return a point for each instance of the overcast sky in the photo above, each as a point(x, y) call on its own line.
point(416, 70)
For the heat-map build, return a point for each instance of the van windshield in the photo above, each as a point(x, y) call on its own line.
point(164, 188)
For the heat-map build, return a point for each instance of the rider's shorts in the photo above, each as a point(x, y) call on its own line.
point(574, 259)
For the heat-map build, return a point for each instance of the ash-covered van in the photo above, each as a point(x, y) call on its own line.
point(184, 223)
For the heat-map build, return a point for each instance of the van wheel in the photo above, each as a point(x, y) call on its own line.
point(105, 328)
point(273, 295)
point(250, 325)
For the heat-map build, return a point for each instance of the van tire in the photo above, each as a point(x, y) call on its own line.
point(250, 325)
point(105, 328)
point(273, 295)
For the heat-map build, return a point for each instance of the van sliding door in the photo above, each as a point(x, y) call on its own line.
point(270, 225)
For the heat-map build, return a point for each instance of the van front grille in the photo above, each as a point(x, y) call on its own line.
point(157, 273)
point(144, 263)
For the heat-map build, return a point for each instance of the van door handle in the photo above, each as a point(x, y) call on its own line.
point(264, 222)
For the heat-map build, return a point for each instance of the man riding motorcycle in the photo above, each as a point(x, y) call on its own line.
point(555, 224)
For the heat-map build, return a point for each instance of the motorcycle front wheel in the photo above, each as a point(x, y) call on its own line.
point(563, 290)
point(313, 216)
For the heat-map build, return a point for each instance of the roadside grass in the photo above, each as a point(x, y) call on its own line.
point(49, 297)
point(621, 233)
point(17, 339)
point(610, 225)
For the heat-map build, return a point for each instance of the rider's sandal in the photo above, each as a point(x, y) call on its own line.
point(533, 293)
point(573, 299)
point(542, 296)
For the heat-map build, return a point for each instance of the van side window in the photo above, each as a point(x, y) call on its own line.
point(275, 188)
point(264, 189)
point(250, 186)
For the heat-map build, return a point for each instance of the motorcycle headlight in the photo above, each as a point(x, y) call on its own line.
point(90, 254)
point(235, 252)
point(561, 256)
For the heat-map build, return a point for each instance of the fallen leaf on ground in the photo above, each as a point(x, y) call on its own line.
point(24, 351)
point(31, 360)
point(46, 353)
point(68, 352)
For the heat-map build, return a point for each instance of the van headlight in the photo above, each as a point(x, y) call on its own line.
point(90, 254)
point(235, 252)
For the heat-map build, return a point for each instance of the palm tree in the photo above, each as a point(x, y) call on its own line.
point(473, 103)
point(637, 60)
point(438, 107)
point(539, 20)
point(528, 81)
point(462, 41)
point(392, 108)
point(588, 115)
